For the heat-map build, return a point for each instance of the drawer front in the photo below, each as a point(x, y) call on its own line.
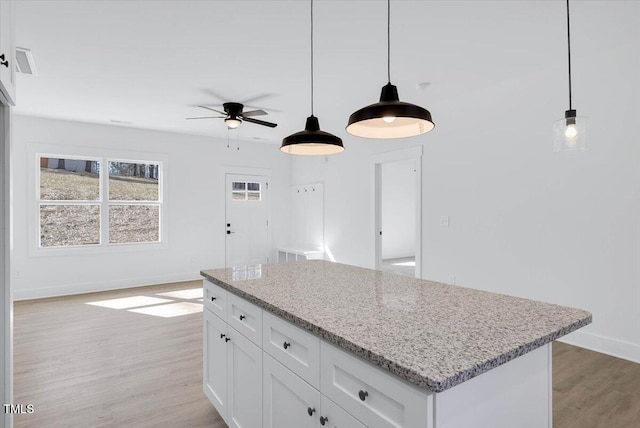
point(215, 299)
point(245, 317)
point(371, 395)
point(297, 349)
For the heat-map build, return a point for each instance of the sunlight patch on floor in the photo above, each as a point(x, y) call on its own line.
point(170, 310)
point(192, 293)
point(129, 302)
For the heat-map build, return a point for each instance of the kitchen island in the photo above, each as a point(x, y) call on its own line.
point(315, 343)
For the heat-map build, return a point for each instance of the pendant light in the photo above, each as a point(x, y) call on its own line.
point(312, 141)
point(390, 117)
point(570, 133)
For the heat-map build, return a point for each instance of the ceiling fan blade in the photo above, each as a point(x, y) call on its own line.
point(254, 113)
point(272, 110)
point(207, 117)
point(212, 109)
point(259, 122)
point(257, 97)
point(216, 95)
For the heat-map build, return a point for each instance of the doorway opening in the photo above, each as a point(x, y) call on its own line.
point(398, 211)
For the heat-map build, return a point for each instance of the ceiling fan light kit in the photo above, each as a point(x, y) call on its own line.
point(570, 133)
point(312, 140)
point(390, 117)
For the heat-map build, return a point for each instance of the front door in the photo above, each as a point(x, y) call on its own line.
point(247, 226)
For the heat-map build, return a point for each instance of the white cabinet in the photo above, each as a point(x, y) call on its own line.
point(7, 54)
point(215, 361)
point(232, 373)
point(333, 416)
point(289, 402)
point(373, 396)
point(297, 349)
point(245, 382)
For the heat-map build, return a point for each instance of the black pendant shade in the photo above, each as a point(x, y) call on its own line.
point(312, 141)
point(390, 118)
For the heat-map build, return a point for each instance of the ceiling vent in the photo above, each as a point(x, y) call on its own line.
point(25, 63)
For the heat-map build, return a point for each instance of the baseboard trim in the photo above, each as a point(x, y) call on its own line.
point(605, 345)
point(92, 287)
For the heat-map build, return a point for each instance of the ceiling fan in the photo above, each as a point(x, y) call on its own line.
point(234, 115)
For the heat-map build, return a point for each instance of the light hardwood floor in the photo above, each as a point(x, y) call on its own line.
point(83, 366)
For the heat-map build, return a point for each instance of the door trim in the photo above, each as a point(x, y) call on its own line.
point(245, 170)
point(6, 248)
point(377, 160)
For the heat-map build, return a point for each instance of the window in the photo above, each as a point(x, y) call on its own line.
point(245, 191)
point(98, 202)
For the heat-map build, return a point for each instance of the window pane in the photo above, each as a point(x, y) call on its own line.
point(63, 225)
point(238, 185)
point(133, 181)
point(253, 196)
point(238, 196)
point(134, 223)
point(69, 179)
point(253, 186)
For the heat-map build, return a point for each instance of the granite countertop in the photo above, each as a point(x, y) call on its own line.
point(431, 334)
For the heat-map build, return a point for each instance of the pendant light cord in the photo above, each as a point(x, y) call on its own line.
point(389, 41)
point(569, 51)
point(311, 57)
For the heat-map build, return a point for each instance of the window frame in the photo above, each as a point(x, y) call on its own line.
point(104, 157)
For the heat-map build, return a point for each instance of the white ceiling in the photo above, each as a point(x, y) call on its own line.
point(152, 62)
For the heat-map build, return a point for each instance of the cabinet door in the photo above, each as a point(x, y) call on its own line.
point(333, 416)
point(244, 408)
point(289, 402)
point(8, 49)
point(215, 361)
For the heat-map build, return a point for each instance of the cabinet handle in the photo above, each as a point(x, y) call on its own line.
point(213, 298)
point(226, 339)
point(3, 62)
point(363, 395)
point(242, 317)
point(286, 345)
point(311, 411)
point(323, 420)
point(222, 335)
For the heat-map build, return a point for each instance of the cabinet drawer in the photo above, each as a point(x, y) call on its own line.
point(371, 395)
point(297, 349)
point(215, 299)
point(245, 317)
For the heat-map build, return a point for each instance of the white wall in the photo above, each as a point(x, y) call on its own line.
point(398, 190)
point(561, 228)
point(195, 207)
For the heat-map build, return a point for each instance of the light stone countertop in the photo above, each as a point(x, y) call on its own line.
point(431, 334)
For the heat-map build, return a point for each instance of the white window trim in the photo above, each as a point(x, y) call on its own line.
point(36, 151)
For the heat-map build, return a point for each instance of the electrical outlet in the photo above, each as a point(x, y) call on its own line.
point(444, 221)
point(451, 279)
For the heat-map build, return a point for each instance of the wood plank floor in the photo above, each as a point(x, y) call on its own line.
point(83, 365)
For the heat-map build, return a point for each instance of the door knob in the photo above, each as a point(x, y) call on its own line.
point(213, 298)
point(222, 335)
point(242, 317)
point(310, 411)
point(226, 339)
point(286, 345)
point(229, 232)
point(323, 420)
point(363, 395)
